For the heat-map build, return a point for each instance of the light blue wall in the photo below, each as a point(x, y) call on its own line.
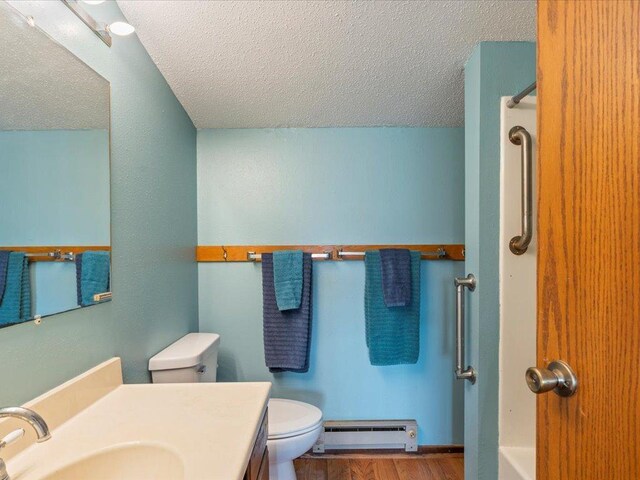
point(54, 187)
point(336, 185)
point(495, 69)
point(153, 215)
point(54, 190)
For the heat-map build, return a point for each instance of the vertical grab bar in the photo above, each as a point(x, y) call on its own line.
point(519, 244)
point(461, 282)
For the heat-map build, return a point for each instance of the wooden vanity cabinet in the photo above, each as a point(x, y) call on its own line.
point(258, 468)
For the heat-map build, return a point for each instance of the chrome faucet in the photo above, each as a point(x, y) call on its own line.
point(33, 419)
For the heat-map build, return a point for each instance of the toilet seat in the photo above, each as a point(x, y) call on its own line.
point(290, 418)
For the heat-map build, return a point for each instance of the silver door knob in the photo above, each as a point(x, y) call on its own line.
point(558, 376)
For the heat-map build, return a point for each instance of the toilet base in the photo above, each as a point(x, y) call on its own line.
point(282, 471)
point(282, 452)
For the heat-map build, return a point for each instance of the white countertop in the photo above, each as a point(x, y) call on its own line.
point(211, 426)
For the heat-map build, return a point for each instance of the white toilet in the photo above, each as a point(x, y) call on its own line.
point(293, 426)
point(192, 359)
point(293, 429)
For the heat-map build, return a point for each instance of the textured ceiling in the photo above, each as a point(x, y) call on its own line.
point(44, 86)
point(242, 64)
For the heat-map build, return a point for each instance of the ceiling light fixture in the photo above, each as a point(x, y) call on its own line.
point(121, 29)
point(93, 2)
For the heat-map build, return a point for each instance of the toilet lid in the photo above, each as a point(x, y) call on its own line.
point(288, 418)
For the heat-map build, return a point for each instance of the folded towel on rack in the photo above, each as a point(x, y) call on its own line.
point(395, 264)
point(78, 261)
point(4, 264)
point(94, 275)
point(392, 334)
point(16, 301)
point(287, 277)
point(287, 334)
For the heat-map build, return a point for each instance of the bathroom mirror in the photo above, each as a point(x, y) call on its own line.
point(55, 242)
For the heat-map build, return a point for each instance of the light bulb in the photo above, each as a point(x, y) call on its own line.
point(93, 2)
point(121, 29)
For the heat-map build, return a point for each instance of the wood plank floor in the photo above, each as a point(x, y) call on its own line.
point(386, 467)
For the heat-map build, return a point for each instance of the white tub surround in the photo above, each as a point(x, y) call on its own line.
point(103, 429)
point(517, 304)
point(517, 463)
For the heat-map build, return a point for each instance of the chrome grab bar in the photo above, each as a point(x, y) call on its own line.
point(461, 282)
point(519, 244)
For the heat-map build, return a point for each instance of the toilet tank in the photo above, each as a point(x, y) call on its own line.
point(192, 359)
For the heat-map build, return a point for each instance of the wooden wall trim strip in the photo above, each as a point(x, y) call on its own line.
point(238, 253)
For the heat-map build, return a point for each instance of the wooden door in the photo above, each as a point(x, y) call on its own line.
point(589, 236)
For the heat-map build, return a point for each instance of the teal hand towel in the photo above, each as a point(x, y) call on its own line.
point(94, 275)
point(392, 333)
point(16, 301)
point(287, 278)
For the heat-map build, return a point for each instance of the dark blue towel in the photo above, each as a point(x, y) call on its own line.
point(396, 276)
point(94, 275)
point(16, 301)
point(78, 259)
point(287, 334)
point(392, 334)
point(4, 264)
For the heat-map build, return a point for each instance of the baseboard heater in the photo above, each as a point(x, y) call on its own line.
point(368, 434)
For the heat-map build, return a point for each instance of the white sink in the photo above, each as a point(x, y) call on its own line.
point(104, 430)
point(131, 461)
